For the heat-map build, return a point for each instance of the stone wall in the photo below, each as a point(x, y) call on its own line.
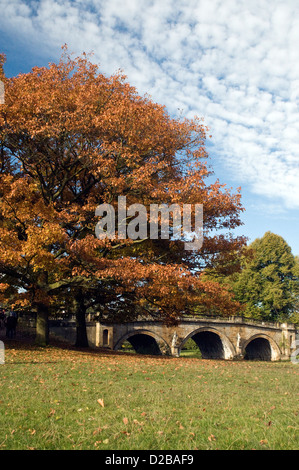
point(66, 331)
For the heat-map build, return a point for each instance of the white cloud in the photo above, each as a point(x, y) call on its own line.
point(235, 63)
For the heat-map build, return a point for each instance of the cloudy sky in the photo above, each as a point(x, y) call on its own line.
point(233, 62)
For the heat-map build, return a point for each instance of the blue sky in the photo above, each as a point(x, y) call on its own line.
point(235, 63)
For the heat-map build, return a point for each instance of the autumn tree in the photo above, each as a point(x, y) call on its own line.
point(268, 283)
point(73, 139)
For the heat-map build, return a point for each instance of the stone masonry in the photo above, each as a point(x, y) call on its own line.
point(217, 337)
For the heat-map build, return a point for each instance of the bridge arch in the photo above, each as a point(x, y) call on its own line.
point(144, 342)
point(212, 343)
point(261, 347)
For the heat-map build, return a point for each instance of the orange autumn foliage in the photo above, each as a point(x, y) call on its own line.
point(72, 139)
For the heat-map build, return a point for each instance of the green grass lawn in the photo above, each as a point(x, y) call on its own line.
point(191, 353)
point(58, 398)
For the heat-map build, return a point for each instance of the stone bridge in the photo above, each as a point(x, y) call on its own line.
point(216, 337)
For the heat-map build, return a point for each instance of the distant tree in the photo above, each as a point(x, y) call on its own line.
point(268, 282)
point(294, 318)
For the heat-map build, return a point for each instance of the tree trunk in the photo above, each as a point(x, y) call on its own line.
point(42, 325)
point(81, 333)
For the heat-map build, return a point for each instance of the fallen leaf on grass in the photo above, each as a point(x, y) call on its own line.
point(52, 412)
point(135, 421)
point(263, 442)
point(180, 425)
point(125, 421)
point(101, 402)
point(97, 431)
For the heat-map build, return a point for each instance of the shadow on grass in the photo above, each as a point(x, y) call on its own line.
point(27, 344)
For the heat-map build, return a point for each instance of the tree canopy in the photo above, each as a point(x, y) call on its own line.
point(71, 139)
point(268, 283)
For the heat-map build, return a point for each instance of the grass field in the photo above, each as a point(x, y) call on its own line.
point(58, 398)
